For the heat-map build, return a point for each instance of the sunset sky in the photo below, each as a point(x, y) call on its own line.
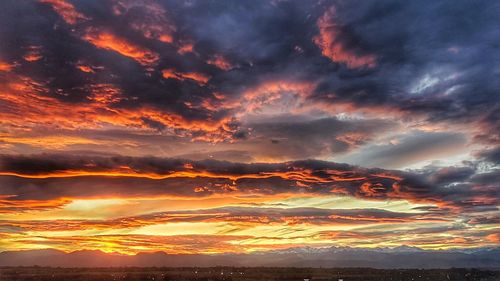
point(207, 126)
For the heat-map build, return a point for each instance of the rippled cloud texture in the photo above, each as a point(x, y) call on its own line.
point(237, 126)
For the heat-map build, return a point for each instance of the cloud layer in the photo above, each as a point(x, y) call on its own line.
point(140, 117)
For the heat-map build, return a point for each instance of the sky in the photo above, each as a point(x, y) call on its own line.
point(209, 127)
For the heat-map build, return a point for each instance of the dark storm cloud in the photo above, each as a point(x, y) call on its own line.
point(50, 177)
point(438, 62)
point(488, 179)
point(469, 186)
point(452, 175)
point(48, 164)
point(491, 155)
point(63, 48)
point(444, 71)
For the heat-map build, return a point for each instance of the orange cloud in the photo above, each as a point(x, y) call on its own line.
point(238, 216)
point(85, 68)
point(272, 92)
point(133, 244)
point(48, 142)
point(220, 62)
point(22, 94)
point(105, 93)
point(33, 54)
point(331, 46)
point(185, 48)
point(5, 67)
point(126, 167)
point(165, 38)
point(148, 17)
point(66, 10)
point(110, 41)
point(200, 78)
point(8, 206)
point(494, 237)
point(242, 179)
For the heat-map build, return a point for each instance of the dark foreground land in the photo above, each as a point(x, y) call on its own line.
point(234, 273)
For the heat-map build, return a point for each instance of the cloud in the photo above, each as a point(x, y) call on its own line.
point(66, 10)
point(58, 176)
point(105, 103)
point(235, 216)
point(220, 62)
point(330, 42)
point(90, 89)
point(130, 244)
point(195, 76)
point(491, 155)
point(274, 54)
point(326, 137)
point(449, 175)
point(148, 17)
point(109, 41)
point(409, 149)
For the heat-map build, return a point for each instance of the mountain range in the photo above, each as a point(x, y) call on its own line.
point(399, 257)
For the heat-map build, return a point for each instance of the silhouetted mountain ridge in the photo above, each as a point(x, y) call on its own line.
point(399, 257)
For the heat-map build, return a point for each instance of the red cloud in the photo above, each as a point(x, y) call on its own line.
point(332, 47)
point(110, 41)
point(200, 78)
point(147, 17)
point(220, 62)
point(66, 10)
